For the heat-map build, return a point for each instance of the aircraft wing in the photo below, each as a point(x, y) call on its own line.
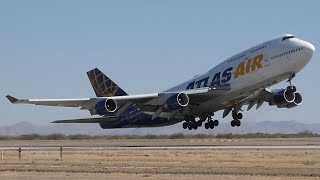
point(81, 102)
point(195, 96)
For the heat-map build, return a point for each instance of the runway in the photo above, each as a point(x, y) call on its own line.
point(162, 147)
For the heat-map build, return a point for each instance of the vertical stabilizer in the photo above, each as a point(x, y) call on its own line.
point(104, 86)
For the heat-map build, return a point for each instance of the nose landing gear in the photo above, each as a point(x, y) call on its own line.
point(291, 88)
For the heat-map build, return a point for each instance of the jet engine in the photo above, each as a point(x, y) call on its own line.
point(176, 101)
point(297, 101)
point(282, 98)
point(104, 107)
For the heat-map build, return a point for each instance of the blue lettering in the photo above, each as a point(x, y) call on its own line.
point(216, 79)
point(190, 86)
point(226, 75)
point(205, 82)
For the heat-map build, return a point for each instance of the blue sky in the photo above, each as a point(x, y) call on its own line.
point(145, 46)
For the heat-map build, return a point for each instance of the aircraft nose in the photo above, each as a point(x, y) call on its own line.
point(309, 49)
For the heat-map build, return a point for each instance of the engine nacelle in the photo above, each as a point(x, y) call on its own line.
point(176, 101)
point(282, 98)
point(105, 106)
point(297, 101)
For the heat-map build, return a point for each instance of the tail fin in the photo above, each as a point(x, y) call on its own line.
point(103, 86)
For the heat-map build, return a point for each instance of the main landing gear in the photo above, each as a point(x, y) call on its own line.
point(211, 123)
point(190, 122)
point(236, 116)
point(236, 119)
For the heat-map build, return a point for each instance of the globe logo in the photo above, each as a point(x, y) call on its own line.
point(102, 84)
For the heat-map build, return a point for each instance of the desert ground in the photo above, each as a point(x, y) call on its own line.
point(274, 158)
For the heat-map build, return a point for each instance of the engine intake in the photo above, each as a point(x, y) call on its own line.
point(297, 101)
point(177, 101)
point(110, 105)
point(282, 98)
point(104, 107)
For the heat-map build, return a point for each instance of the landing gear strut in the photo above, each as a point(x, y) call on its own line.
point(291, 88)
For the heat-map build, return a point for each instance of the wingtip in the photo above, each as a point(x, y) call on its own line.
point(11, 99)
point(57, 122)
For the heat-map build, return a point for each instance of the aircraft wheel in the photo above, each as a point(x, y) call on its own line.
point(185, 125)
point(216, 123)
point(239, 116)
point(193, 125)
point(206, 125)
point(234, 115)
point(199, 124)
point(211, 124)
point(233, 123)
point(238, 123)
point(190, 127)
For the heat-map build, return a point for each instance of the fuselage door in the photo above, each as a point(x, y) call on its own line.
point(266, 61)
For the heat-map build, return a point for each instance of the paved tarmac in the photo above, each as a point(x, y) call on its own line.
point(163, 147)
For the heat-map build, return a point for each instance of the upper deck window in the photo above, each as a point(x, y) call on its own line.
point(287, 37)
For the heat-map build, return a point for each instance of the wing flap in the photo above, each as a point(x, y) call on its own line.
point(257, 98)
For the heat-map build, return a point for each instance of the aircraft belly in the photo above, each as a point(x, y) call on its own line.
point(141, 120)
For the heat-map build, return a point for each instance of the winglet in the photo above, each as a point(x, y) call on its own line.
point(12, 99)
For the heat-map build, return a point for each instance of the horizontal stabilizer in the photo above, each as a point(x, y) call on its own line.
point(110, 119)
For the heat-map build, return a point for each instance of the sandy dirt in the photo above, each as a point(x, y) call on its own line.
point(85, 176)
point(40, 162)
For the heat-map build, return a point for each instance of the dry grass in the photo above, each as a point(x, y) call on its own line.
point(303, 157)
point(150, 162)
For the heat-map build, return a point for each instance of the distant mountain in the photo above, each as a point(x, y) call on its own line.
point(270, 127)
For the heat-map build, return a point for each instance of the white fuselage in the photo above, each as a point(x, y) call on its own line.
point(252, 70)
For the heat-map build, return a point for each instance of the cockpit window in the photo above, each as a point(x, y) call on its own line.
point(287, 37)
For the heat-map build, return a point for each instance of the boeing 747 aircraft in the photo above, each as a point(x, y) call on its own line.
point(242, 80)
